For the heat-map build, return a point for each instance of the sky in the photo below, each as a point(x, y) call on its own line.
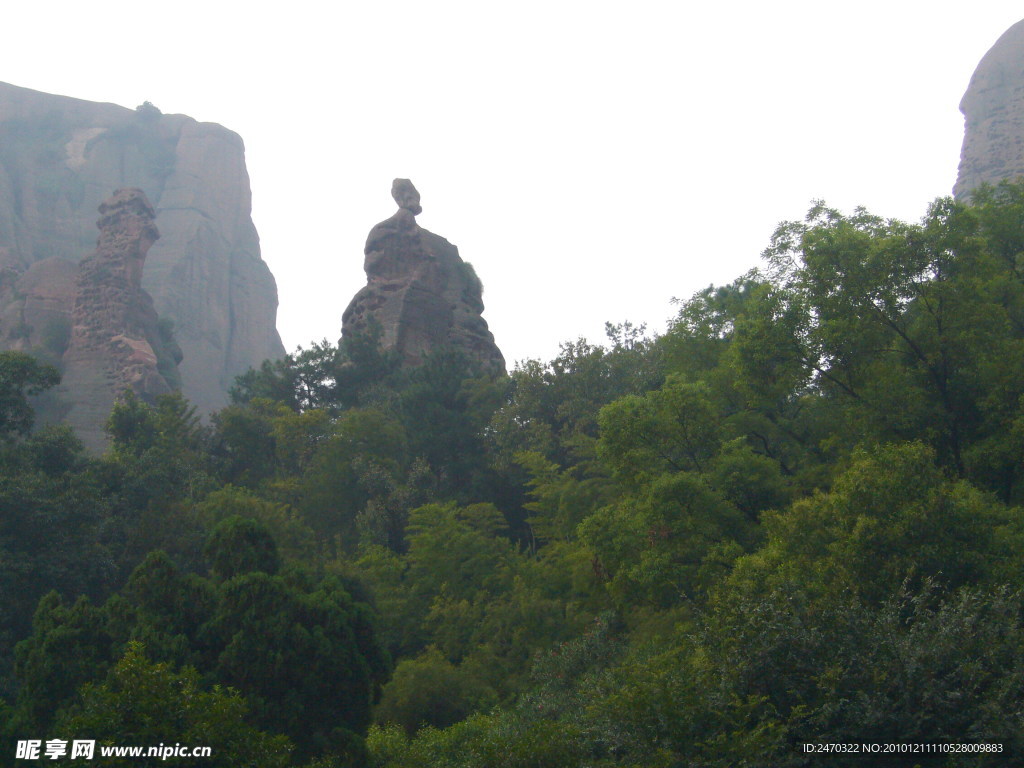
point(592, 160)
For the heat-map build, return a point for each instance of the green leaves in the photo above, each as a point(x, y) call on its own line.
point(430, 690)
point(142, 703)
point(915, 668)
point(21, 376)
point(907, 325)
point(241, 545)
point(70, 646)
point(890, 517)
point(672, 429)
point(302, 653)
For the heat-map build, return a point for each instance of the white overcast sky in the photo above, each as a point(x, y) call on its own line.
point(591, 159)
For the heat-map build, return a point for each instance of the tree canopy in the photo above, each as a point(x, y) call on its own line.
point(792, 518)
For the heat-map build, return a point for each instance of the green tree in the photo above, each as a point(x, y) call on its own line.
point(552, 409)
point(241, 545)
point(430, 690)
point(446, 406)
point(145, 703)
point(301, 652)
point(243, 444)
point(53, 521)
point(367, 373)
point(913, 330)
point(891, 516)
point(671, 429)
point(301, 381)
point(163, 608)
point(306, 661)
point(70, 646)
point(293, 537)
point(21, 376)
point(170, 425)
point(915, 668)
point(363, 450)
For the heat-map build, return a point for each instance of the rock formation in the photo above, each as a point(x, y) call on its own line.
point(993, 109)
point(35, 308)
point(61, 157)
point(116, 342)
point(419, 291)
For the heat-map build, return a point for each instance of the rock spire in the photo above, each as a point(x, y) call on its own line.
point(420, 291)
point(117, 343)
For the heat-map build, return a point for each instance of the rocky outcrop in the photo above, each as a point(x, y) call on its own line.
point(61, 157)
point(116, 342)
point(993, 108)
point(419, 291)
point(36, 308)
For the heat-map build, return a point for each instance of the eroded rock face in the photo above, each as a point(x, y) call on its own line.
point(35, 308)
point(420, 291)
point(116, 342)
point(61, 157)
point(993, 108)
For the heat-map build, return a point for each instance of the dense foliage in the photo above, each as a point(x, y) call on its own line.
point(792, 519)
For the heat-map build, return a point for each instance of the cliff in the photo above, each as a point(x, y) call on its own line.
point(993, 108)
point(61, 157)
point(420, 291)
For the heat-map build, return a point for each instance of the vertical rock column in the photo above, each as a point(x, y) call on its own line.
point(115, 334)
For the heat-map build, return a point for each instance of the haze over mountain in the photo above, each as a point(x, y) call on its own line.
point(60, 157)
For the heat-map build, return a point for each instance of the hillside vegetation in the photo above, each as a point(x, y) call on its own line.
point(792, 519)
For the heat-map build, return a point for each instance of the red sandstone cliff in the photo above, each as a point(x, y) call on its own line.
point(61, 157)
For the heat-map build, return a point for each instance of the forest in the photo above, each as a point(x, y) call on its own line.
point(792, 520)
